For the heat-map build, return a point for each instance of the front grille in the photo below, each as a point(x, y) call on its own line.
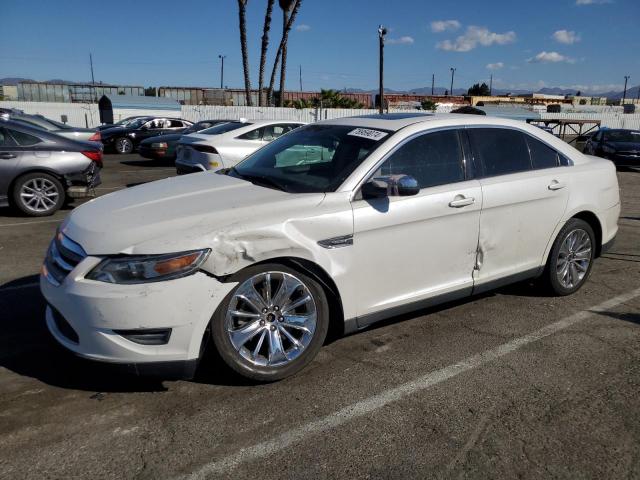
point(63, 256)
point(63, 326)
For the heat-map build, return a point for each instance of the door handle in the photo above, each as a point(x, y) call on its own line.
point(555, 185)
point(461, 201)
point(7, 155)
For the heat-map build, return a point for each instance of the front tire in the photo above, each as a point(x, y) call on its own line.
point(571, 258)
point(123, 145)
point(38, 194)
point(272, 324)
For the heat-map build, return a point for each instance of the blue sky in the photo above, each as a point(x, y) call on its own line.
point(581, 44)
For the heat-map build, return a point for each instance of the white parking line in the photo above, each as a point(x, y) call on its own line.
point(19, 287)
point(31, 223)
point(376, 402)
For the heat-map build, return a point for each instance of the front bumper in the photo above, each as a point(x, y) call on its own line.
point(96, 310)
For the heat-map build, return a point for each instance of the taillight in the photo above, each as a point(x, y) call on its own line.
point(203, 148)
point(95, 137)
point(94, 156)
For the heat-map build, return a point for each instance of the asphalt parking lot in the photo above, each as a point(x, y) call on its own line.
point(509, 384)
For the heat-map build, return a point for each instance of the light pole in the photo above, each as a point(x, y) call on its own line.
point(491, 85)
point(433, 81)
point(453, 72)
point(624, 94)
point(381, 34)
point(222, 57)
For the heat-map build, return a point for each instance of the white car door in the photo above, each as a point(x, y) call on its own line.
point(524, 191)
point(411, 249)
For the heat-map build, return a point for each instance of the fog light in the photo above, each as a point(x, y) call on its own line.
point(150, 336)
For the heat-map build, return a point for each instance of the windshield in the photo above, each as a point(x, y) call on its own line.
point(315, 158)
point(224, 128)
point(623, 136)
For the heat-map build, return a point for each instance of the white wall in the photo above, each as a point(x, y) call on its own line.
point(79, 113)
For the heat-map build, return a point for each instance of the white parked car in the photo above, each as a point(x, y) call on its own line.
point(342, 223)
point(223, 146)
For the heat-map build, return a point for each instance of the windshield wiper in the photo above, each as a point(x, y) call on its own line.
point(260, 180)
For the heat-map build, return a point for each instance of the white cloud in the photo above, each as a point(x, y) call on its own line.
point(406, 40)
point(495, 66)
point(303, 27)
point(568, 37)
point(475, 36)
point(550, 57)
point(593, 2)
point(444, 25)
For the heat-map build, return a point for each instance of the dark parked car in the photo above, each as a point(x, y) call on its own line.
point(126, 139)
point(620, 146)
point(40, 170)
point(164, 146)
point(122, 123)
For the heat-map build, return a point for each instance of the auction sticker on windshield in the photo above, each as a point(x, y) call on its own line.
point(368, 133)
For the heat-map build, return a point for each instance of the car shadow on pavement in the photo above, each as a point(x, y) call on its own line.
point(28, 349)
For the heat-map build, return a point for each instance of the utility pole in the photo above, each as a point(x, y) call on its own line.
point(453, 72)
point(222, 57)
point(624, 94)
point(93, 81)
point(300, 77)
point(381, 33)
point(491, 85)
point(433, 81)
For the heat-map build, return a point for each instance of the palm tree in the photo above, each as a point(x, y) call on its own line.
point(242, 10)
point(286, 6)
point(283, 41)
point(263, 54)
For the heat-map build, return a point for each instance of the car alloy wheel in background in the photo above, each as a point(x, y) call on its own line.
point(124, 145)
point(38, 194)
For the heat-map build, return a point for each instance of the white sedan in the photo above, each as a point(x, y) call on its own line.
point(225, 145)
point(342, 222)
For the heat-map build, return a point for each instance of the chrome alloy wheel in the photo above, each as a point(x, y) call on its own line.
point(271, 319)
point(124, 145)
point(39, 195)
point(574, 258)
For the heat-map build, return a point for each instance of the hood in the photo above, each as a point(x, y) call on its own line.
point(624, 146)
point(177, 214)
point(162, 138)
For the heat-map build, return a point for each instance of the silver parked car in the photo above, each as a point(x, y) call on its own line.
point(43, 123)
point(40, 170)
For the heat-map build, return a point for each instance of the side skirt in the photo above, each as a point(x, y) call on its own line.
point(352, 325)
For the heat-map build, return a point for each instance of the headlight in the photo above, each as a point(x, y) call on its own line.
point(159, 145)
point(148, 268)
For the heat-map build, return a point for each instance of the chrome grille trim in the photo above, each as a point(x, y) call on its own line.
point(62, 257)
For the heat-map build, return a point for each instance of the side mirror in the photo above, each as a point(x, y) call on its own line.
point(391, 186)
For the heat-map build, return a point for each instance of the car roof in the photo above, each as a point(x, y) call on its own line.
point(59, 140)
point(396, 121)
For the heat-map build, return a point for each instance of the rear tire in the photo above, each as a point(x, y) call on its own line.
point(263, 335)
point(38, 194)
point(571, 258)
point(123, 145)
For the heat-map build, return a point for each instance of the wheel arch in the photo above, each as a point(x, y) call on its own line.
point(593, 221)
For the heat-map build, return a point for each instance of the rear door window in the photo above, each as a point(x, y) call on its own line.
point(500, 151)
point(542, 156)
point(5, 139)
point(432, 159)
point(255, 134)
point(24, 139)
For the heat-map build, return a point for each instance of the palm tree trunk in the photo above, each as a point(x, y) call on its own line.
point(242, 6)
point(283, 41)
point(283, 63)
point(263, 54)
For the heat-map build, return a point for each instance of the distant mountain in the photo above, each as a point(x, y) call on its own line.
point(13, 80)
